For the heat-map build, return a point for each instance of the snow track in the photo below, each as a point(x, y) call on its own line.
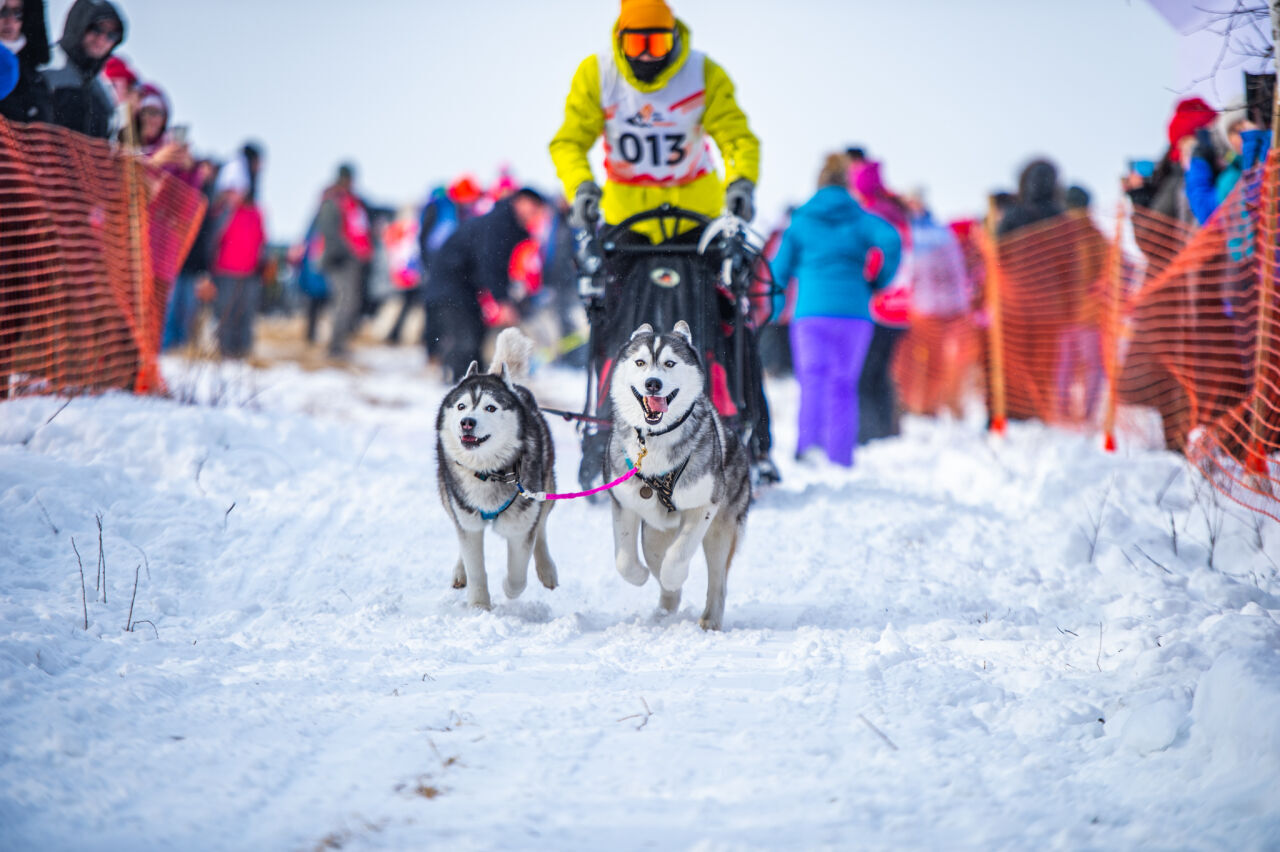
point(918, 654)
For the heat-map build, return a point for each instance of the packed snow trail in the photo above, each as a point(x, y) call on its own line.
point(917, 654)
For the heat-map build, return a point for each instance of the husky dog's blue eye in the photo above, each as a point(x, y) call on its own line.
point(491, 408)
point(669, 364)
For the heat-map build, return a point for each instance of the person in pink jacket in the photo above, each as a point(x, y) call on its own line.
point(239, 241)
point(877, 397)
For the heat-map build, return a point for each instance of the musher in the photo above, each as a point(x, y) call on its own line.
point(656, 101)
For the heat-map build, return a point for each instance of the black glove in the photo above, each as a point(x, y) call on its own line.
point(586, 206)
point(1204, 148)
point(740, 199)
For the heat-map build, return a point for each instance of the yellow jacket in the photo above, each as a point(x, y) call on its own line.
point(723, 121)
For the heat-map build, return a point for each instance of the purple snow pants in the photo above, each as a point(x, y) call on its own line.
point(828, 353)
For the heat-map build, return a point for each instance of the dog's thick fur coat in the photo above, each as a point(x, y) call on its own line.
point(490, 440)
point(694, 485)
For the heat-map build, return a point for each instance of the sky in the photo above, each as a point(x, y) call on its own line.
point(951, 97)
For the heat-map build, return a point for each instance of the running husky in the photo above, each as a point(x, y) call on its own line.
point(693, 487)
point(491, 441)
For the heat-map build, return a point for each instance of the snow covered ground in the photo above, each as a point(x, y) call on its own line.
point(922, 653)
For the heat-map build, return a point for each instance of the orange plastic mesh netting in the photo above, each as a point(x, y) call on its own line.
point(1227, 362)
point(90, 243)
point(1049, 295)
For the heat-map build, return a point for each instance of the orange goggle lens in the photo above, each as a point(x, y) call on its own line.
point(656, 44)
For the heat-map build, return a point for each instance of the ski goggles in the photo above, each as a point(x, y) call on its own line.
point(657, 43)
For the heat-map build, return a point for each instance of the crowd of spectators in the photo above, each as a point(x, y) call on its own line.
point(84, 85)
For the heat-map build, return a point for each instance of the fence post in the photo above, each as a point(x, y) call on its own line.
point(1266, 252)
point(995, 330)
point(1114, 329)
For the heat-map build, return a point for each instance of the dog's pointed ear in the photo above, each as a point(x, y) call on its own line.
point(642, 330)
point(504, 375)
point(682, 329)
point(472, 370)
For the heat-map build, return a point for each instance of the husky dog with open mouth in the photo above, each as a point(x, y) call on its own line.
point(693, 487)
point(492, 442)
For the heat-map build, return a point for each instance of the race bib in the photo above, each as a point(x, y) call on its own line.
point(655, 138)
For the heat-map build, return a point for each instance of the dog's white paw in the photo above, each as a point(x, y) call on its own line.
point(633, 572)
point(513, 590)
point(673, 576)
point(547, 574)
point(459, 576)
point(709, 623)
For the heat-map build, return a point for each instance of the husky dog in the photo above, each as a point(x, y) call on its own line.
point(693, 487)
point(491, 441)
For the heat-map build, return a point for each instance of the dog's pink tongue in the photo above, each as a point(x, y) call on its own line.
point(656, 403)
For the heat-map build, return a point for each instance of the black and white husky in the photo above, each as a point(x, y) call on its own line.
point(491, 441)
point(693, 487)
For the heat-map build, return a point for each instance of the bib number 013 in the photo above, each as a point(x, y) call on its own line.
point(666, 149)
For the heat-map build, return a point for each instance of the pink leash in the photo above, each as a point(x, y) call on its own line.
point(632, 470)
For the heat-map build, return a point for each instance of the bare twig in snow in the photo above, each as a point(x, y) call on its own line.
point(643, 717)
point(200, 467)
point(877, 731)
point(1072, 632)
point(367, 445)
point(1173, 533)
point(84, 604)
point(102, 561)
point(1097, 521)
point(128, 622)
point(36, 431)
point(48, 520)
point(1214, 515)
point(226, 513)
point(1168, 484)
point(1098, 661)
point(1152, 560)
point(146, 563)
point(148, 621)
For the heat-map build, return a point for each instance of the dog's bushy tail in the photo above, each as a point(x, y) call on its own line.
point(515, 349)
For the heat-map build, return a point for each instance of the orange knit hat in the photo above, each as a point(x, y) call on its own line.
point(645, 15)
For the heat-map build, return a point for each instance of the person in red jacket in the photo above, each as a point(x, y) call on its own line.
point(343, 225)
point(239, 241)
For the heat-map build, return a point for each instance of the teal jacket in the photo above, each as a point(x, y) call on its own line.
point(825, 249)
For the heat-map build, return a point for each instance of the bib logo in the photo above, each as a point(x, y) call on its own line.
point(648, 117)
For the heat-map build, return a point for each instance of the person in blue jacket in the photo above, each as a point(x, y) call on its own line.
point(826, 248)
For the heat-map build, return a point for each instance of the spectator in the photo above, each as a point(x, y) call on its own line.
point(22, 31)
point(238, 239)
point(1164, 191)
point(343, 225)
point(878, 402)
point(775, 337)
point(1039, 198)
point(825, 248)
point(193, 279)
point(310, 279)
point(81, 102)
point(148, 132)
point(941, 295)
point(445, 209)
point(1080, 342)
point(467, 282)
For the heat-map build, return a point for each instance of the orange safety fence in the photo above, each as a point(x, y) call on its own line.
point(1232, 373)
point(91, 240)
point(1076, 331)
point(1048, 292)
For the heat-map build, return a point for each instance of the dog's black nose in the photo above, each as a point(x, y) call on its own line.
point(653, 386)
point(468, 424)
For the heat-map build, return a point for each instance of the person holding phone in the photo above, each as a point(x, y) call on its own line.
point(1164, 192)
